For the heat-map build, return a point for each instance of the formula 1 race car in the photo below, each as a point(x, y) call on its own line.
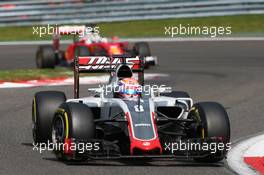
point(124, 119)
point(92, 44)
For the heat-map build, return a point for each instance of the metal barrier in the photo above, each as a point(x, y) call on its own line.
point(23, 13)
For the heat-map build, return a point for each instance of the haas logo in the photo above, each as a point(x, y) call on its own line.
point(98, 63)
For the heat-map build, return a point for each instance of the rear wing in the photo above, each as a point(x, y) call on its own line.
point(107, 64)
point(97, 64)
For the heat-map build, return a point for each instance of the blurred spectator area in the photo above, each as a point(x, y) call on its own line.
point(31, 12)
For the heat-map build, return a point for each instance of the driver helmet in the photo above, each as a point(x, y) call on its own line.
point(128, 88)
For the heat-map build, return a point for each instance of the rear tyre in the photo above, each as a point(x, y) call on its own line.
point(45, 57)
point(44, 106)
point(142, 49)
point(214, 123)
point(72, 121)
point(176, 94)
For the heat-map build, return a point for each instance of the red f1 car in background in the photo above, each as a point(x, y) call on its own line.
point(87, 44)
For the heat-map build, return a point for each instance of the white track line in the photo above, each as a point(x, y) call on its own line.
point(256, 150)
point(143, 39)
point(89, 80)
point(250, 147)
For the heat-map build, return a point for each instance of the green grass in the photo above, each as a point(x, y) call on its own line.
point(240, 24)
point(151, 28)
point(33, 74)
point(37, 74)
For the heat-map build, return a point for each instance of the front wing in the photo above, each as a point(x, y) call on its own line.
point(110, 150)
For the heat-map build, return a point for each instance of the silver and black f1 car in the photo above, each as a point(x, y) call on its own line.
point(150, 125)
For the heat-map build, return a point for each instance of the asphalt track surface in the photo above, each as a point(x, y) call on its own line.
point(229, 72)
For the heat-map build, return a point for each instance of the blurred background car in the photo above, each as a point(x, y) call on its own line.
point(88, 44)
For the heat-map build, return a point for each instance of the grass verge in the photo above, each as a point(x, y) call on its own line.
point(38, 74)
point(33, 74)
point(151, 28)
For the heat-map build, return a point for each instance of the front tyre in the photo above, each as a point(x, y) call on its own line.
point(72, 122)
point(44, 106)
point(213, 122)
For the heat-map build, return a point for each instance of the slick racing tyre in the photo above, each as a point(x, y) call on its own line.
point(176, 94)
point(213, 122)
point(44, 106)
point(142, 49)
point(72, 122)
point(45, 57)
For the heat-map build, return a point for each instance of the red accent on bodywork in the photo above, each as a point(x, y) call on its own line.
point(67, 146)
point(143, 145)
point(70, 50)
point(84, 60)
point(121, 48)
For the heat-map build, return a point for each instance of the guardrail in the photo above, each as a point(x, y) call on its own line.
point(24, 13)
